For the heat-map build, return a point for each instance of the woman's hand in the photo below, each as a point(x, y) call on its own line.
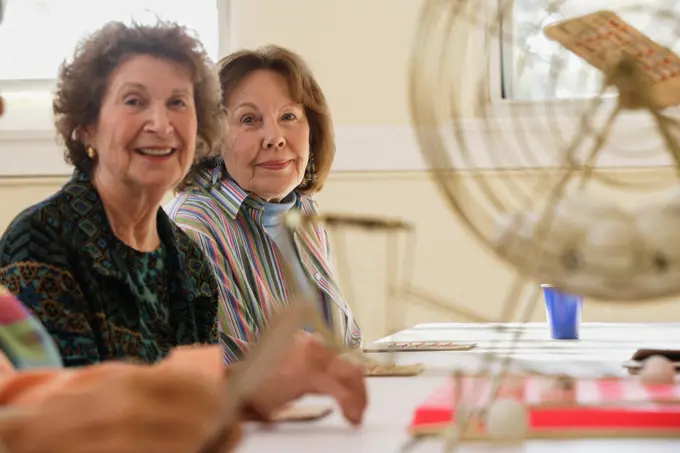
point(125, 408)
point(309, 367)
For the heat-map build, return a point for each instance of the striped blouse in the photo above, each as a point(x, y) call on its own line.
point(226, 222)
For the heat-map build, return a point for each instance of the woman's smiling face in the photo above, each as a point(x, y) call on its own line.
point(146, 132)
point(267, 142)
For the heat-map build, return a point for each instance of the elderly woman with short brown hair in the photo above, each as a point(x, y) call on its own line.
point(277, 152)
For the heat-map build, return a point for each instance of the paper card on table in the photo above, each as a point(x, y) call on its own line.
point(413, 346)
point(393, 370)
point(302, 413)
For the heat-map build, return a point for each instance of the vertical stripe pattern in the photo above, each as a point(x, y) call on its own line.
point(225, 221)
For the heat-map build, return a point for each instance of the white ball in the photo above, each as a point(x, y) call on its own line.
point(507, 419)
point(293, 219)
point(658, 226)
point(657, 370)
point(513, 232)
point(610, 245)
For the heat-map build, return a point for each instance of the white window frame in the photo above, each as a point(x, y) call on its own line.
point(492, 142)
point(639, 131)
point(34, 152)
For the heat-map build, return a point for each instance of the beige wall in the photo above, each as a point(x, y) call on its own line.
point(359, 50)
point(448, 263)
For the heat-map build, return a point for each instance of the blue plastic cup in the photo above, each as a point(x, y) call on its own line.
point(563, 311)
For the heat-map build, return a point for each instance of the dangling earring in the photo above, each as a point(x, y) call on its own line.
point(91, 152)
point(310, 171)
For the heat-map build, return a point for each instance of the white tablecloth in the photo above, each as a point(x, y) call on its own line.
point(392, 400)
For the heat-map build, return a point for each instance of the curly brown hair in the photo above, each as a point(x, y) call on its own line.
point(83, 82)
point(304, 89)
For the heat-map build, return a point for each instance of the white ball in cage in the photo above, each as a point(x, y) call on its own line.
point(513, 233)
point(583, 242)
point(658, 226)
point(610, 243)
point(561, 234)
point(514, 229)
point(293, 219)
point(507, 419)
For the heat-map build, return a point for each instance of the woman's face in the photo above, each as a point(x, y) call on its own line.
point(267, 141)
point(145, 137)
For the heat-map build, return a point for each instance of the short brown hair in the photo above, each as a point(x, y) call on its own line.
point(304, 89)
point(83, 82)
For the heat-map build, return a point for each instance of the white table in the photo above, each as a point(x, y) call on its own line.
point(392, 400)
point(601, 349)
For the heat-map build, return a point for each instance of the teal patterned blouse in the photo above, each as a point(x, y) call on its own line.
point(98, 298)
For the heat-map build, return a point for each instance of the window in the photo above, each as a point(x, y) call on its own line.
point(36, 36)
point(43, 33)
point(539, 92)
point(534, 68)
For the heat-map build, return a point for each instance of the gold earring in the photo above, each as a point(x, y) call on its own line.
point(91, 152)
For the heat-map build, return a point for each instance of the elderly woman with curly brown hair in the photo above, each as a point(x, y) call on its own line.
point(277, 151)
point(98, 263)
